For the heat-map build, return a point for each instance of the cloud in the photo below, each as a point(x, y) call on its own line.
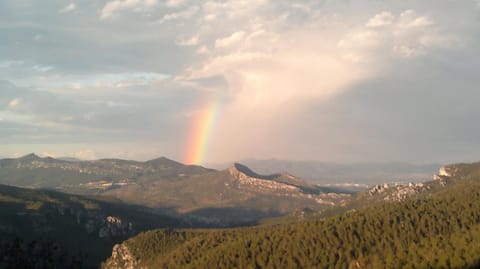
point(180, 15)
point(381, 19)
point(115, 6)
point(115, 80)
point(14, 103)
point(42, 68)
point(174, 3)
point(229, 40)
point(409, 19)
point(136, 84)
point(202, 50)
point(68, 8)
point(409, 36)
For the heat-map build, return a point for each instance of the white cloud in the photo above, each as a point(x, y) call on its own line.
point(114, 80)
point(183, 14)
point(42, 68)
point(14, 103)
point(68, 8)
point(210, 17)
point(174, 3)
point(409, 19)
point(229, 40)
point(115, 6)
point(409, 36)
point(381, 19)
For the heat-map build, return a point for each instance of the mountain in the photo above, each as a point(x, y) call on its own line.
point(349, 176)
point(198, 195)
point(435, 226)
point(47, 229)
point(233, 196)
point(88, 177)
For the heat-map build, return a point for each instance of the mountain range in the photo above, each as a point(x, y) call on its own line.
point(64, 213)
point(232, 196)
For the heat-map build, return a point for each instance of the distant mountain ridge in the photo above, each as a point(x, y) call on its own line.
point(233, 196)
point(324, 173)
point(37, 172)
point(216, 195)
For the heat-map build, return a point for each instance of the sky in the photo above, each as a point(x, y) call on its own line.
point(218, 81)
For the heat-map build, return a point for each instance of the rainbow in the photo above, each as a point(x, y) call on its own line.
point(200, 133)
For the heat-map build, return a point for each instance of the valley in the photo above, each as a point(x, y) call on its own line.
point(163, 214)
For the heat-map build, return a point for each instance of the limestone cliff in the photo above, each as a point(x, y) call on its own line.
point(121, 258)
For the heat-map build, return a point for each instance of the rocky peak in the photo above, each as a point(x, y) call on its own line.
point(30, 157)
point(163, 161)
point(247, 179)
point(241, 171)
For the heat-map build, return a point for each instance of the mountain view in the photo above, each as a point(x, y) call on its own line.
point(141, 215)
point(437, 226)
point(249, 134)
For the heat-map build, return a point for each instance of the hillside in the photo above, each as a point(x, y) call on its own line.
point(38, 226)
point(198, 195)
point(435, 228)
point(89, 177)
point(230, 197)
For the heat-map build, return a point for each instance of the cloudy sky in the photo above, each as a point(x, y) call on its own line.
point(329, 80)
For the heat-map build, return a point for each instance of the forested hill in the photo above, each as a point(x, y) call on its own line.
point(47, 229)
point(438, 229)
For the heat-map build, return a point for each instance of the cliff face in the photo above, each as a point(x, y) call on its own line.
point(283, 185)
point(247, 179)
point(121, 258)
point(402, 191)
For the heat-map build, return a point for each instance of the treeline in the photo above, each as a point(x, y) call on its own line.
point(441, 230)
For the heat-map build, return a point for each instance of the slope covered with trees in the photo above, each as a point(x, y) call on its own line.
point(47, 229)
point(438, 229)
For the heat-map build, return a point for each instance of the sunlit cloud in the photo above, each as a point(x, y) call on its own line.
point(381, 19)
point(68, 8)
point(111, 8)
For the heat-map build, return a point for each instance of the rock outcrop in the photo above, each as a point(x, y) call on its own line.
point(247, 179)
point(281, 185)
point(397, 192)
point(121, 258)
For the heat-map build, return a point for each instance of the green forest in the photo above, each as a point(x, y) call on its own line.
point(440, 229)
